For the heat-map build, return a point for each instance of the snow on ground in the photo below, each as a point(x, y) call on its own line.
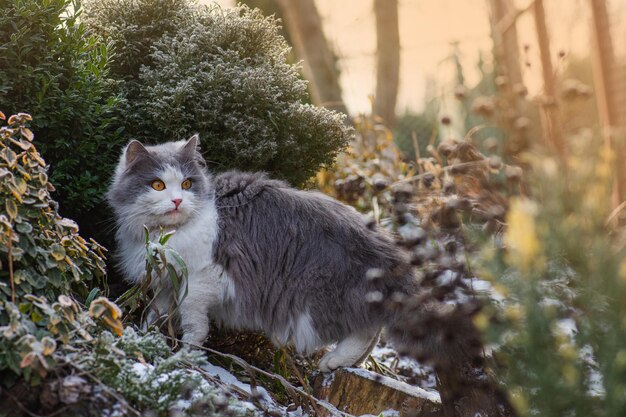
point(408, 370)
point(259, 392)
point(412, 390)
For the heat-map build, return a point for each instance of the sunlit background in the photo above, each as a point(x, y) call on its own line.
point(431, 30)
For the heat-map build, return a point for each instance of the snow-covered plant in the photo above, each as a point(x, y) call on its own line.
point(142, 368)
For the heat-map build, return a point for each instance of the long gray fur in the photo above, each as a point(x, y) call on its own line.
point(290, 250)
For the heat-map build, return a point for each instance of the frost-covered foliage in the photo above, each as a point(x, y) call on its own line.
point(224, 74)
point(135, 25)
point(150, 377)
point(44, 261)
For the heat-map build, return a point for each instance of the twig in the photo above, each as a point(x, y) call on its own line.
point(59, 411)
point(416, 147)
point(20, 405)
point(105, 387)
point(252, 369)
point(253, 395)
point(446, 168)
point(303, 382)
point(511, 18)
point(10, 259)
point(614, 213)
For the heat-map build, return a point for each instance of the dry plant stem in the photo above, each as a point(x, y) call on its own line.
point(420, 169)
point(10, 257)
point(447, 168)
point(21, 406)
point(303, 382)
point(251, 370)
point(251, 396)
point(229, 387)
point(613, 215)
point(469, 136)
point(509, 20)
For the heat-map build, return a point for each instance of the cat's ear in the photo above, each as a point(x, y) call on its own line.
point(192, 146)
point(133, 150)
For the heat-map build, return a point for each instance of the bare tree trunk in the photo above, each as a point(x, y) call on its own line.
point(506, 53)
point(551, 117)
point(388, 59)
point(609, 90)
point(305, 28)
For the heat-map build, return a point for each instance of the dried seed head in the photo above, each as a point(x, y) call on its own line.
point(402, 194)
point(521, 123)
point(449, 187)
point(584, 91)
point(520, 90)
point(446, 147)
point(501, 81)
point(513, 173)
point(460, 92)
point(483, 106)
point(380, 184)
point(374, 274)
point(374, 297)
point(491, 144)
point(495, 162)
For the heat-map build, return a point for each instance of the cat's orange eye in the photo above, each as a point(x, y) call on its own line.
point(186, 184)
point(158, 185)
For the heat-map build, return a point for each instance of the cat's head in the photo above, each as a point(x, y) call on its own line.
point(160, 185)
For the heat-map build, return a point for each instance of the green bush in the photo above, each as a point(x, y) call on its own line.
point(423, 126)
point(54, 69)
point(560, 326)
point(222, 73)
point(43, 259)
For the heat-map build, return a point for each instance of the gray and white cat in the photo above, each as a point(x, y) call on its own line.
point(297, 265)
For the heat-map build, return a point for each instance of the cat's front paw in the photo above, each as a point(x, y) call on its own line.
point(333, 360)
point(194, 338)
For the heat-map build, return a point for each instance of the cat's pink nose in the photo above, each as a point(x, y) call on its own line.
point(177, 201)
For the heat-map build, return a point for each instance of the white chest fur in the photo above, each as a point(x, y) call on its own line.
point(193, 241)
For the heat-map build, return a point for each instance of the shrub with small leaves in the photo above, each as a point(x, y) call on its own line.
point(44, 259)
point(222, 73)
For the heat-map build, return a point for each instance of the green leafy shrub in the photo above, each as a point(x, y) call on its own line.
point(43, 259)
point(224, 74)
point(560, 324)
point(54, 69)
point(423, 126)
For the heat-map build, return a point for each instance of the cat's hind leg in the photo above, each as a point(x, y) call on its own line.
point(351, 351)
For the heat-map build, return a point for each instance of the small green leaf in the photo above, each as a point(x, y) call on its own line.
point(11, 207)
point(164, 238)
point(23, 227)
point(57, 251)
point(92, 295)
